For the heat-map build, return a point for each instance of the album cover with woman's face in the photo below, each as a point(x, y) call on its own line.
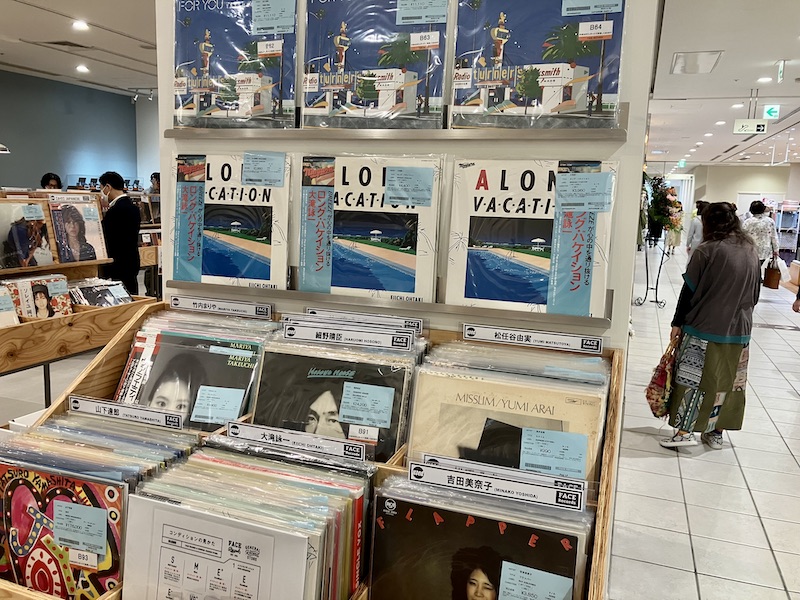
point(78, 233)
point(422, 551)
point(334, 398)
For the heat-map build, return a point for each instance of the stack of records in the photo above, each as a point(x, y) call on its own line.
point(432, 544)
point(205, 369)
point(40, 297)
point(66, 487)
point(233, 522)
point(149, 238)
point(525, 414)
point(8, 313)
point(98, 292)
point(79, 234)
point(337, 392)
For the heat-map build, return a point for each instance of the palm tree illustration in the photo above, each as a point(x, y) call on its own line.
point(528, 86)
point(398, 53)
point(563, 45)
point(250, 62)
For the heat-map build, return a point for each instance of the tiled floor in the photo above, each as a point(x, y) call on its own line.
point(705, 524)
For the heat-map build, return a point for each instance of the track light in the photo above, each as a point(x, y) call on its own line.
point(135, 98)
point(150, 97)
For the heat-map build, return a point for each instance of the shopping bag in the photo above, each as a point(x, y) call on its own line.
point(784, 270)
point(660, 387)
point(772, 275)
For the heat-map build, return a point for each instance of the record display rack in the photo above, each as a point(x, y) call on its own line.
point(10, 591)
point(101, 376)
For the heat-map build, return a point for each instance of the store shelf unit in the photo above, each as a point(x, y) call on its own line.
point(10, 591)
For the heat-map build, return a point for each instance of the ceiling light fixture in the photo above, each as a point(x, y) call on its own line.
point(764, 79)
point(699, 143)
point(720, 123)
point(687, 155)
point(737, 105)
point(693, 63)
point(708, 134)
point(82, 69)
point(150, 97)
point(4, 149)
point(692, 150)
point(80, 26)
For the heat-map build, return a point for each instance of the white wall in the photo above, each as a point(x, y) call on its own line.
point(722, 183)
point(147, 136)
point(793, 189)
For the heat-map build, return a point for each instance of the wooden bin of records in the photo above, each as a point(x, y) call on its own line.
point(101, 377)
point(10, 591)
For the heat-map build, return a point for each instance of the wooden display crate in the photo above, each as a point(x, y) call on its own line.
point(101, 376)
point(10, 591)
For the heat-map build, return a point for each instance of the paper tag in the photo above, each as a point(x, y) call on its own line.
point(224, 307)
point(499, 483)
point(217, 404)
point(296, 440)
point(409, 186)
point(80, 527)
point(270, 48)
point(414, 12)
point(6, 303)
point(82, 559)
point(118, 291)
point(55, 288)
point(230, 351)
point(363, 433)
point(263, 169)
point(518, 582)
point(396, 340)
point(572, 8)
point(32, 212)
point(273, 16)
point(425, 40)
point(370, 318)
point(364, 404)
point(554, 453)
point(90, 213)
point(597, 30)
point(584, 191)
point(126, 412)
point(534, 339)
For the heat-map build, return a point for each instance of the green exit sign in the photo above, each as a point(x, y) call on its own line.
point(682, 163)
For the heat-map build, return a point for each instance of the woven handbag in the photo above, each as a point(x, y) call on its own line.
point(660, 386)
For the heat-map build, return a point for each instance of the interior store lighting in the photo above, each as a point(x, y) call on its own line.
point(709, 134)
point(737, 105)
point(720, 123)
point(764, 79)
point(4, 149)
point(82, 69)
point(80, 26)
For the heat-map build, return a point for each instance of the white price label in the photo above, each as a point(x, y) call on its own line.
point(427, 40)
point(82, 559)
point(364, 433)
point(595, 30)
point(270, 48)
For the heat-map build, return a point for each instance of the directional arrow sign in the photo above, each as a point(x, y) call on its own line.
point(772, 111)
point(749, 126)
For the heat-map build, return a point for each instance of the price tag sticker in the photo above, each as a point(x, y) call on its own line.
point(427, 40)
point(32, 212)
point(82, 559)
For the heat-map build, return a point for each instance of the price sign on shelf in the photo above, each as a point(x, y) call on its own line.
point(428, 40)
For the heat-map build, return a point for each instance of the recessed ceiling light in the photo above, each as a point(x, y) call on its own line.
point(764, 79)
point(699, 143)
point(791, 139)
point(80, 26)
point(692, 150)
point(656, 152)
point(708, 134)
point(686, 155)
point(82, 69)
point(737, 105)
point(720, 123)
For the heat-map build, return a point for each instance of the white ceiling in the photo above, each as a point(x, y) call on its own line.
point(119, 50)
point(753, 36)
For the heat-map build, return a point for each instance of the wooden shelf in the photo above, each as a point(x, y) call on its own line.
point(56, 267)
point(11, 591)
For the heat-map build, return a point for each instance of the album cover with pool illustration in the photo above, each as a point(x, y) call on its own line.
point(424, 550)
point(344, 398)
point(209, 381)
point(239, 230)
point(380, 240)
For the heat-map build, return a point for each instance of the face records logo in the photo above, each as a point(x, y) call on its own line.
point(176, 302)
point(290, 332)
point(233, 430)
point(76, 404)
point(592, 345)
point(390, 507)
point(470, 332)
point(418, 473)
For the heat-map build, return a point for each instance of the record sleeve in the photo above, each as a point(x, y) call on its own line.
point(512, 248)
point(99, 293)
point(235, 64)
point(507, 420)
point(373, 233)
point(180, 552)
point(545, 64)
point(425, 550)
point(24, 235)
point(8, 313)
point(78, 232)
point(376, 64)
point(62, 534)
point(332, 397)
point(233, 213)
point(210, 381)
point(40, 297)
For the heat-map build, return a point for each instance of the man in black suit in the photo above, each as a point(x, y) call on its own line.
point(121, 230)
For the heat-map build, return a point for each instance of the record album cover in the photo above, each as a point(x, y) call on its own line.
point(8, 313)
point(333, 398)
point(40, 297)
point(61, 535)
point(374, 64)
point(235, 64)
point(422, 551)
point(235, 223)
point(548, 64)
point(24, 236)
point(476, 416)
point(78, 232)
point(512, 248)
point(369, 226)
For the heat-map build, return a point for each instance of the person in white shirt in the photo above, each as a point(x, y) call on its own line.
point(694, 236)
point(761, 228)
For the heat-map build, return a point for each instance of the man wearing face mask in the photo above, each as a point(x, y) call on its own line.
point(121, 231)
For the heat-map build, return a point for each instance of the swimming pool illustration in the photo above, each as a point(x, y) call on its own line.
point(353, 268)
point(225, 259)
point(491, 276)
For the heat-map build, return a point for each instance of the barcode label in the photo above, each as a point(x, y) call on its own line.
point(538, 467)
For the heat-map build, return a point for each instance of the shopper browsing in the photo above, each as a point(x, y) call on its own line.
point(761, 228)
point(121, 231)
point(694, 237)
point(155, 184)
point(50, 181)
point(714, 317)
